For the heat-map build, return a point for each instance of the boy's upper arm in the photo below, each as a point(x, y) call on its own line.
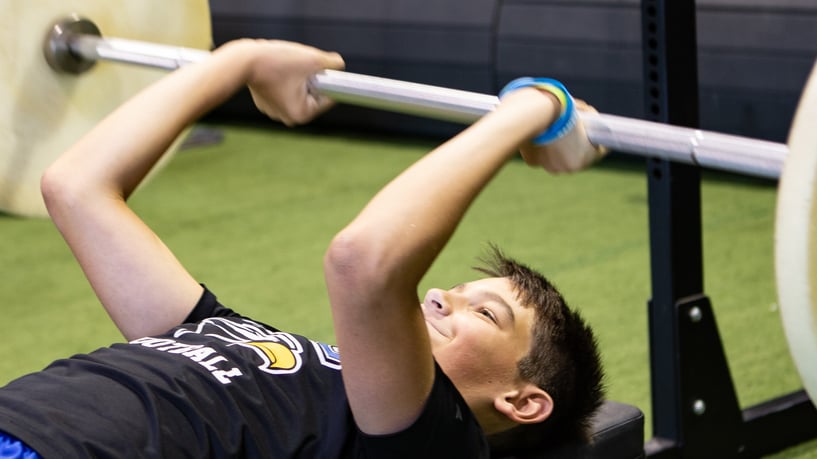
point(139, 281)
point(388, 368)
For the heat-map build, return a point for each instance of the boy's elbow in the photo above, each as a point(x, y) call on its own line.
point(342, 256)
point(54, 188)
point(63, 190)
point(352, 259)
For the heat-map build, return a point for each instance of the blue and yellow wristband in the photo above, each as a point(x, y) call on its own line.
point(567, 118)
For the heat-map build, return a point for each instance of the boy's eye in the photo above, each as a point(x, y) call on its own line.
point(488, 313)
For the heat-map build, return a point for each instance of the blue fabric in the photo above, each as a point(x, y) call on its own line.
point(568, 118)
point(12, 448)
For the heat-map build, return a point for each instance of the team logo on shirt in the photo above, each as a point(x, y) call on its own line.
point(277, 356)
point(328, 355)
point(280, 352)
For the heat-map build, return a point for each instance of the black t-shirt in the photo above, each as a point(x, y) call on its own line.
point(220, 385)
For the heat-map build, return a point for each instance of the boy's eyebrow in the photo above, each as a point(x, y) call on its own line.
point(493, 296)
point(497, 298)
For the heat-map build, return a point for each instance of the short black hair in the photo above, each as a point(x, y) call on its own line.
point(563, 360)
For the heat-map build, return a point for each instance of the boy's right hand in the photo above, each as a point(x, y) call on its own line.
point(278, 78)
point(570, 153)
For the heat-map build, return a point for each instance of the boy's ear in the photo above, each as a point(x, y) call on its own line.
point(526, 405)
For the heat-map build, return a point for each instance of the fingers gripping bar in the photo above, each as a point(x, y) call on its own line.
point(76, 44)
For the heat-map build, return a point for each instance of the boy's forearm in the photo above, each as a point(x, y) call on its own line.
point(411, 219)
point(117, 154)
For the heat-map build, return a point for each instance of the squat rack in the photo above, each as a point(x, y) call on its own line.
point(694, 405)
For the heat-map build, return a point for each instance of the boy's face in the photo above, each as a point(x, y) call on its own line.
point(479, 331)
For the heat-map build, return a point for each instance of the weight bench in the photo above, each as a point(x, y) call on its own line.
point(618, 433)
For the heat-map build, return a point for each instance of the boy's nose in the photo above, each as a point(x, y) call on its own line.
point(438, 301)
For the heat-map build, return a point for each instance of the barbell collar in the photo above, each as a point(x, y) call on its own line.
point(59, 43)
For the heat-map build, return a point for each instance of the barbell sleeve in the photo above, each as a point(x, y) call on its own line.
point(142, 53)
point(706, 149)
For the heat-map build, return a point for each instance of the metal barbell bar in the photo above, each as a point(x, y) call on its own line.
point(75, 44)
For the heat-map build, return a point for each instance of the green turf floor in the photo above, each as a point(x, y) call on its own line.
point(251, 217)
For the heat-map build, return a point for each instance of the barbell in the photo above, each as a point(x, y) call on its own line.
point(75, 44)
point(55, 92)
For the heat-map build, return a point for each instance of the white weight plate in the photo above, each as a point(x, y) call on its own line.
point(796, 239)
point(43, 112)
